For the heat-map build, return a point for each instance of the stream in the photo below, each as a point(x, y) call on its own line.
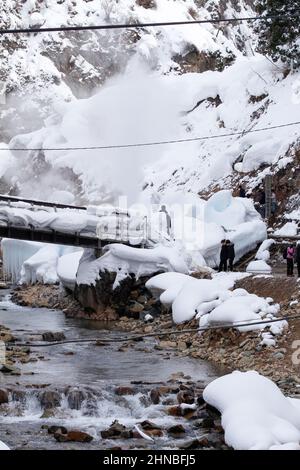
point(75, 385)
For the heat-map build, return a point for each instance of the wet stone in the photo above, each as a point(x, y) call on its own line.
point(51, 336)
point(125, 391)
point(155, 396)
point(3, 396)
point(73, 436)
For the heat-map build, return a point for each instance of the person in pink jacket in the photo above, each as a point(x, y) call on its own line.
point(290, 256)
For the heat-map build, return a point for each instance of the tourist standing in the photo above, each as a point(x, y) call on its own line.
point(223, 256)
point(290, 255)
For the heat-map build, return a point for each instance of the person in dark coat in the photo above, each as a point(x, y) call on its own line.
point(163, 209)
point(298, 258)
point(223, 256)
point(230, 253)
point(242, 192)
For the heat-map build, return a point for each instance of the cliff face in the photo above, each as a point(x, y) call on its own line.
point(40, 71)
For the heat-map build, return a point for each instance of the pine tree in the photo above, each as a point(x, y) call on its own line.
point(279, 38)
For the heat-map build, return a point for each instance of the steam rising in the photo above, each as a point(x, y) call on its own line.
point(136, 107)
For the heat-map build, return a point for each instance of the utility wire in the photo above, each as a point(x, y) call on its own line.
point(161, 333)
point(151, 144)
point(141, 25)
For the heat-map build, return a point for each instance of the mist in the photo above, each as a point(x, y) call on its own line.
point(138, 106)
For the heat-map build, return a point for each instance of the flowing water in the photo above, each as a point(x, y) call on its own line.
point(76, 383)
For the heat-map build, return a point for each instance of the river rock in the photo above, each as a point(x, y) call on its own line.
point(125, 391)
point(75, 398)
point(155, 396)
point(176, 431)
point(48, 413)
point(57, 429)
point(167, 344)
point(9, 369)
point(174, 411)
point(191, 444)
point(186, 396)
point(50, 399)
point(52, 336)
point(149, 426)
point(116, 431)
point(3, 396)
point(73, 436)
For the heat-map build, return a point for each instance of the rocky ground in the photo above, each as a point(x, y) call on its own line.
point(227, 348)
point(13, 354)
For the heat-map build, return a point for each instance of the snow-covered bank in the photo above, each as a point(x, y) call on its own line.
point(255, 413)
point(214, 303)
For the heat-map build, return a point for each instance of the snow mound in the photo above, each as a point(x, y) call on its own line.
point(67, 267)
point(259, 266)
point(290, 229)
point(255, 413)
point(125, 260)
point(214, 303)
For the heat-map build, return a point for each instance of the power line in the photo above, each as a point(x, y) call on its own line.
point(151, 144)
point(141, 25)
point(138, 337)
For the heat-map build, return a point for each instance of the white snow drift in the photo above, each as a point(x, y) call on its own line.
point(214, 303)
point(255, 413)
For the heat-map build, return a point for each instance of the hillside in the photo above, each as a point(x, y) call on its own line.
point(158, 84)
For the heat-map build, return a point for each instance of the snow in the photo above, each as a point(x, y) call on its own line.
point(263, 252)
point(213, 301)
point(290, 229)
point(67, 267)
point(125, 260)
point(255, 413)
point(259, 266)
point(194, 244)
point(30, 262)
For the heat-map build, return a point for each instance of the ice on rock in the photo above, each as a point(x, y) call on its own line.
point(29, 262)
point(255, 413)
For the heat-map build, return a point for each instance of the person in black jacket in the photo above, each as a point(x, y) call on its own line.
point(298, 258)
point(242, 192)
point(230, 253)
point(223, 256)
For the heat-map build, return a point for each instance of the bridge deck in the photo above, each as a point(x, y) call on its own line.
point(58, 238)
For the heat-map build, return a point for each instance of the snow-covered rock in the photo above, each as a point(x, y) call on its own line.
point(255, 413)
point(125, 260)
point(259, 266)
point(213, 302)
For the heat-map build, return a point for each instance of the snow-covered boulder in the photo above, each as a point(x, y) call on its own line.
point(259, 267)
point(255, 413)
